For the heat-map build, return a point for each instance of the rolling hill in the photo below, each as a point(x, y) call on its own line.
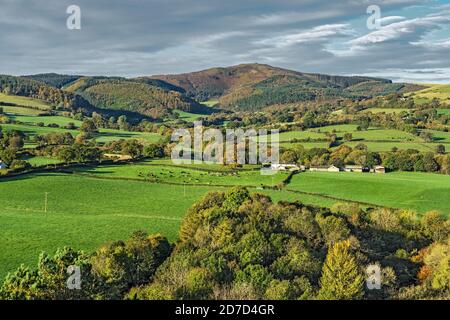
point(255, 86)
point(147, 97)
point(438, 91)
point(54, 79)
point(28, 87)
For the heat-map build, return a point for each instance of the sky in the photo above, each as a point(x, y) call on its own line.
point(411, 41)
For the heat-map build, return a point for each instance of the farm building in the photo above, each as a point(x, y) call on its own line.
point(356, 168)
point(3, 165)
point(325, 168)
point(286, 167)
point(333, 169)
point(319, 168)
point(380, 169)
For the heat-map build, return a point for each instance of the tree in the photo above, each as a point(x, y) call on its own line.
point(440, 149)
point(426, 136)
point(348, 136)
point(88, 126)
point(429, 163)
point(132, 148)
point(289, 157)
point(341, 278)
point(122, 123)
point(154, 150)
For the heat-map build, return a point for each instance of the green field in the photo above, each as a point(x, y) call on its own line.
point(107, 203)
point(187, 116)
point(418, 191)
point(443, 111)
point(376, 139)
point(46, 120)
point(104, 135)
point(387, 110)
point(40, 161)
point(24, 101)
point(184, 175)
point(20, 111)
point(210, 103)
point(85, 212)
point(440, 91)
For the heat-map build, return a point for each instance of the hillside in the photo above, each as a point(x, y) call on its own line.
point(255, 86)
point(54, 79)
point(438, 91)
point(145, 97)
point(27, 87)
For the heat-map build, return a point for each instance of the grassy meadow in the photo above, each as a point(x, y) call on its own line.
point(376, 139)
point(95, 205)
point(417, 191)
point(24, 101)
point(439, 91)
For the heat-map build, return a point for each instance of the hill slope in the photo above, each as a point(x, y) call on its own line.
point(255, 86)
point(142, 96)
point(54, 79)
point(27, 87)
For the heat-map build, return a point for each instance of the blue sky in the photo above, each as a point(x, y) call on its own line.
point(137, 37)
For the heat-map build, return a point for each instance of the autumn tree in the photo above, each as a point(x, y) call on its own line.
point(341, 278)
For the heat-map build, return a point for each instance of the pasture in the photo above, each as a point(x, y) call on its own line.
point(439, 91)
point(107, 203)
point(24, 101)
point(386, 110)
point(417, 191)
point(376, 139)
point(83, 213)
point(184, 175)
point(103, 136)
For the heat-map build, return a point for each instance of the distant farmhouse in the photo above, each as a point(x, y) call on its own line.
point(286, 167)
point(380, 169)
point(324, 168)
point(348, 168)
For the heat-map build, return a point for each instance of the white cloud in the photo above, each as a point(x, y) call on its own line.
point(315, 34)
point(390, 19)
point(400, 29)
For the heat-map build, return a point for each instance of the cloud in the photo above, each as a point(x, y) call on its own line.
point(316, 34)
point(170, 36)
point(413, 27)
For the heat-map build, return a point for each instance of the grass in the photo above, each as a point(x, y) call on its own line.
point(21, 111)
point(387, 110)
point(46, 120)
point(440, 91)
point(35, 130)
point(440, 136)
point(187, 116)
point(418, 191)
point(184, 175)
point(376, 139)
point(104, 204)
point(24, 101)
point(104, 135)
point(40, 161)
point(83, 213)
point(210, 103)
point(443, 111)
